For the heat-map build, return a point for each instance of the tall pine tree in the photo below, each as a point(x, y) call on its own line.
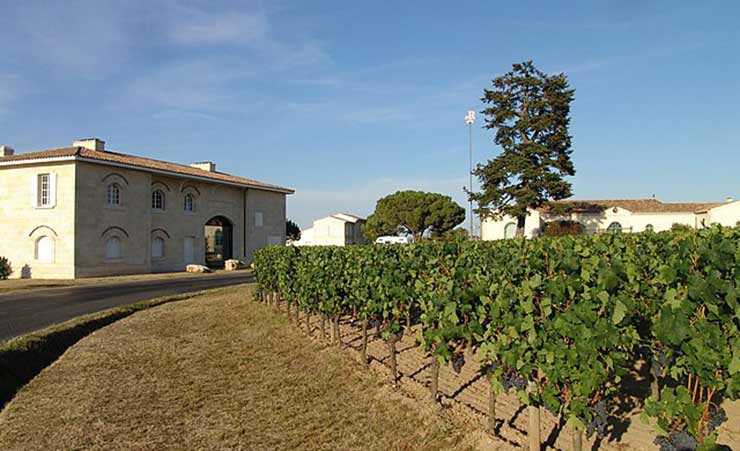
point(529, 111)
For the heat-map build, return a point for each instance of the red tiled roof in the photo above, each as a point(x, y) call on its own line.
point(633, 205)
point(143, 163)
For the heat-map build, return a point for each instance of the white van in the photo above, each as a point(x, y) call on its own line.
point(394, 240)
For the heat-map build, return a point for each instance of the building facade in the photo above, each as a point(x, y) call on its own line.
point(84, 211)
point(339, 229)
point(619, 215)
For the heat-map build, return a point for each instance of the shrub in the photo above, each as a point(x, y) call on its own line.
point(562, 227)
point(5, 268)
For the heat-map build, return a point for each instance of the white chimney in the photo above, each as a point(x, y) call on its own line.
point(205, 165)
point(90, 143)
point(6, 151)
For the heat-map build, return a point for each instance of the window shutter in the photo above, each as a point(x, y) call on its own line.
point(34, 190)
point(52, 190)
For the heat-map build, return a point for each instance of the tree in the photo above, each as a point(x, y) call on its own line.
point(416, 211)
point(292, 231)
point(530, 112)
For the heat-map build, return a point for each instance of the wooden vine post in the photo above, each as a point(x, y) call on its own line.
point(434, 377)
point(577, 438)
point(491, 405)
point(392, 350)
point(364, 342)
point(337, 335)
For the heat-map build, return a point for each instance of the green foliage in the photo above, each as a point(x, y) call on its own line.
point(530, 112)
point(562, 227)
point(292, 231)
point(416, 211)
point(557, 319)
point(5, 268)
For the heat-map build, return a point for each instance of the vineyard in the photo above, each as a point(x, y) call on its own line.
point(558, 321)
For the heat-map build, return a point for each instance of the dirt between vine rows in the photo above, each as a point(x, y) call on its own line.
point(464, 397)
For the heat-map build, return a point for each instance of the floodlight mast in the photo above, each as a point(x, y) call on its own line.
point(469, 119)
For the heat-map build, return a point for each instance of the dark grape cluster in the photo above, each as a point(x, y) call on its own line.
point(511, 379)
point(677, 441)
point(377, 325)
point(717, 416)
point(458, 360)
point(659, 361)
point(598, 421)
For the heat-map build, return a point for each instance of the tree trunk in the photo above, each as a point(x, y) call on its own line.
point(337, 334)
point(364, 342)
point(577, 438)
point(435, 377)
point(491, 406)
point(297, 313)
point(323, 327)
point(392, 348)
point(308, 323)
point(520, 222)
point(534, 427)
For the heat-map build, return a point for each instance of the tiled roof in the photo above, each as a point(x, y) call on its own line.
point(633, 205)
point(141, 162)
point(347, 217)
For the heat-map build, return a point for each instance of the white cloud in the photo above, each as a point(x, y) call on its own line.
point(10, 89)
point(84, 36)
point(196, 27)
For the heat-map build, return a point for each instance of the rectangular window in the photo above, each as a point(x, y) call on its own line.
point(44, 190)
point(258, 219)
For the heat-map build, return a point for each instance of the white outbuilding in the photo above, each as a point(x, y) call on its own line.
point(617, 215)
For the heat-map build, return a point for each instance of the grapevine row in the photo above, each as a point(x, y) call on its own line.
point(559, 320)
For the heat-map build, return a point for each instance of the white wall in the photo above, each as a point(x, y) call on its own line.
point(726, 215)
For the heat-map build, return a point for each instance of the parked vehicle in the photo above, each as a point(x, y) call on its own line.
point(394, 240)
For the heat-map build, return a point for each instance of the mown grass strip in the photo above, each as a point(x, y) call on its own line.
point(24, 357)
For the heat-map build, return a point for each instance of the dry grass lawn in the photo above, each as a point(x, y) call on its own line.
point(213, 372)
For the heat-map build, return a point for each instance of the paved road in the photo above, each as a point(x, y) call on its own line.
point(24, 311)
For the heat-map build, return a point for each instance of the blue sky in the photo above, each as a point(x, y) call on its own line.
point(349, 101)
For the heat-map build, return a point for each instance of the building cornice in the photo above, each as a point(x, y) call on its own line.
point(134, 167)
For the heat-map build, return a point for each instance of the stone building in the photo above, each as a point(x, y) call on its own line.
point(617, 215)
point(85, 211)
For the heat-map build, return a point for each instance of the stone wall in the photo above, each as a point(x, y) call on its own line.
point(22, 223)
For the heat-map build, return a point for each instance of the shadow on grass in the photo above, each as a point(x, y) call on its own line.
point(22, 358)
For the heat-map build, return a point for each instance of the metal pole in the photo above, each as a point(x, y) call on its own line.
point(470, 186)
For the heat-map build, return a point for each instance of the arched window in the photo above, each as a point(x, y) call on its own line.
point(510, 230)
point(189, 203)
point(649, 228)
point(614, 227)
point(113, 248)
point(157, 247)
point(114, 195)
point(44, 251)
point(158, 200)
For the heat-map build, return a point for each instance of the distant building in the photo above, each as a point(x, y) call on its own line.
point(339, 229)
point(618, 215)
point(84, 211)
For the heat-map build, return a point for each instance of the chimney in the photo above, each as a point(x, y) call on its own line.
point(205, 165)
point(6, 151)
point(90, 143)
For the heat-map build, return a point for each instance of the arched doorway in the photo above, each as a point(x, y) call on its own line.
point(219, 239)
